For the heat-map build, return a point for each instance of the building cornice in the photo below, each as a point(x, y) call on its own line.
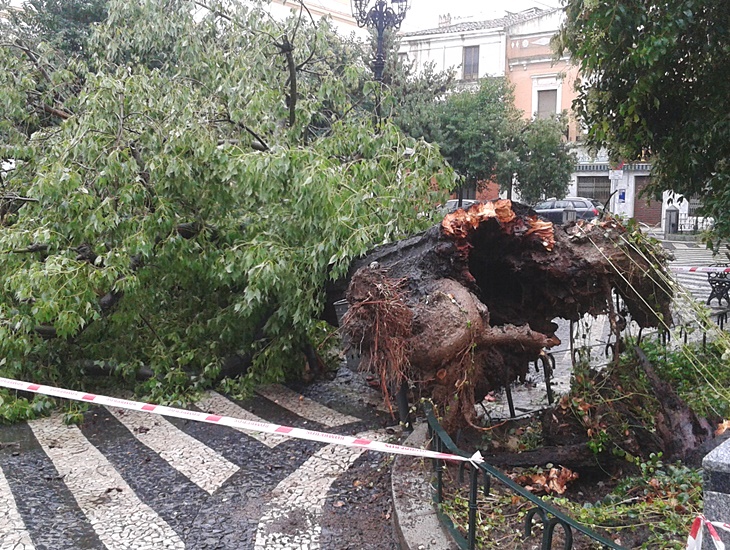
point(500, 24)
point(440, 37)
point(520, 61)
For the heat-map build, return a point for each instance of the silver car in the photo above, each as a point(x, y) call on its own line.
point(552, 209)
point(453, 205)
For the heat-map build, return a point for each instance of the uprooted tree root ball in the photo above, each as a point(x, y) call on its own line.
point(381, 323)
point(463, 308)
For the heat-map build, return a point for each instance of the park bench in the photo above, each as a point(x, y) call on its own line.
point(719, 286)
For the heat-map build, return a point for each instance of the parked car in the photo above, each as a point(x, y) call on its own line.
point(453, 205)
point(552, 209)
point(598, 204)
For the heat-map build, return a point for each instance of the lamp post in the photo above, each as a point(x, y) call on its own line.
point(381, 15)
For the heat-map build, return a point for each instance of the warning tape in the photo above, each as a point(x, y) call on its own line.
point(246, 425)
point(694, 541)
point(699, 269)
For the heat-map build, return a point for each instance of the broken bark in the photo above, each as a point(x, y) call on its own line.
point(477, 294)
point(575, 457)
point(680, 429)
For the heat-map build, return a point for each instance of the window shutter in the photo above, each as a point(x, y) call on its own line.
point(547, 102)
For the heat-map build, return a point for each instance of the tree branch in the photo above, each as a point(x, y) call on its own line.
point(35, 247)
point(311, 18)
point(31, 55)
point(286, 48)
point(259, 144)
point(228, 18)
point(13, 197)
point(56, 112)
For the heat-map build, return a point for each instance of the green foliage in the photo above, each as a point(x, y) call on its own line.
point(654, 83)
point(543, 163)
point(652, 509)
point(474, 127)
point(16, 409)
point(66, 24)
point(484, 137)
point(186, 202)
point(695, 372)
point(661, 500)
point(416, 96)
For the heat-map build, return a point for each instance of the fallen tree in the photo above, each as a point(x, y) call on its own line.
point(463, 308)
point(163, 218)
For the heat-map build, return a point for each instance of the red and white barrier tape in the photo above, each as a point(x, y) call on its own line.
point(698, 269)
point(694, 541)
point(247, 425)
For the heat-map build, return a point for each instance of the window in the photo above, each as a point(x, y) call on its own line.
point(594, 187)
point(547, 103)
point(471, 63)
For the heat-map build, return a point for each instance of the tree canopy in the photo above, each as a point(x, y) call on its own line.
point(486, 138)
point(181, 195)
point(66, 24)
point(654, 85)
point(538, 159)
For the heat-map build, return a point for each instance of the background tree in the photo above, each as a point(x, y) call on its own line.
point(186, 208)
point(483, 135)
point(654, 84)
point(65, 24)
point(544, 163)
point(416, 95)
point(474, 127)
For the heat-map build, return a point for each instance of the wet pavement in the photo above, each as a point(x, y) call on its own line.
point(125, 480)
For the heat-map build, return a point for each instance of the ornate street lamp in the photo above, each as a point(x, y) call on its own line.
point(381, 15)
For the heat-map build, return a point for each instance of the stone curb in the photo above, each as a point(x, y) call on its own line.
point(414, 516)
point(716, 490)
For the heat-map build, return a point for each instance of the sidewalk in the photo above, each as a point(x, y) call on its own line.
point(414, 514)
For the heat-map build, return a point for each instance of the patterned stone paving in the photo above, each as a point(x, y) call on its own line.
point(12, 527)
point(291, 518)
point(126, 480)
point(304, 407)
point(199, 463)
point(117, 515)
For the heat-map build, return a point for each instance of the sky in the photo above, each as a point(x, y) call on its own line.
point(424, 14)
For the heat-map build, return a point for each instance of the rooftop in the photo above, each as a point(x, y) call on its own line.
point(466, 26)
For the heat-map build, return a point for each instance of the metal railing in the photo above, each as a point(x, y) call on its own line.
point(550, 516)
point(694, 224)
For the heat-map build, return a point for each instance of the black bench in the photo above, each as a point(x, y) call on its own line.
point(719, 285)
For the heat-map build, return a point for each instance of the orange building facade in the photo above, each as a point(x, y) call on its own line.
point(543, 84)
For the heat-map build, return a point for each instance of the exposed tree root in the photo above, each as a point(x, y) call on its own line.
point(380, 325)
point(463, 308)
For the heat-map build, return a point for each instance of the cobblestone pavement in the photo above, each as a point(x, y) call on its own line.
point(126, 480)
